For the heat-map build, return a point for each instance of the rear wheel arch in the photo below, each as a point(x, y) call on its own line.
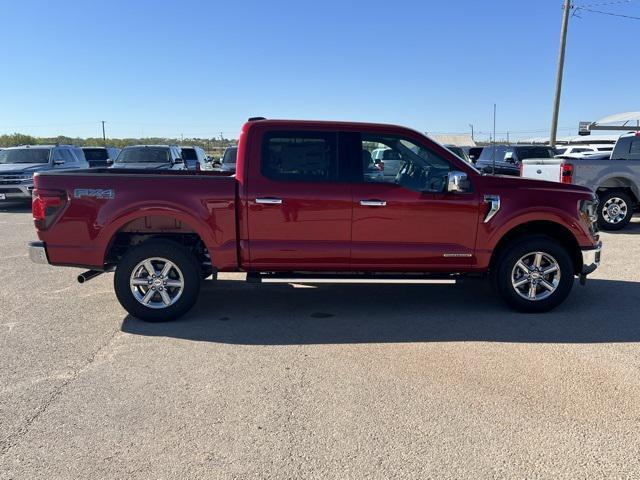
point(552, 230)
point(144, 228)
point(624, 184)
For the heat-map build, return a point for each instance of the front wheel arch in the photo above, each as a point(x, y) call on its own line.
point(549, 229)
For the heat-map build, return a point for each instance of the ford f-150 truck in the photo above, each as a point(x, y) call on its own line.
point(615, 178)
point(302, 206)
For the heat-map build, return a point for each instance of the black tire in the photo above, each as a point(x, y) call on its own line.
point(609, 199)
point(187, 268)
point(505, 269)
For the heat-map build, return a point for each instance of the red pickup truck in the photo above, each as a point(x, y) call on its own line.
point(307, 200)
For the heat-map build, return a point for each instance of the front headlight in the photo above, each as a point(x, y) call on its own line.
point(588, 210)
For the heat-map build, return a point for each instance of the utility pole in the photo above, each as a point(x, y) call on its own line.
point(493, 142)
point(563, 43)
point(104, 137)
point(473, 139)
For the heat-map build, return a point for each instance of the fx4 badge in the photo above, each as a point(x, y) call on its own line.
point(107, 193)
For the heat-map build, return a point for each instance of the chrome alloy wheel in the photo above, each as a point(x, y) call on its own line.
point(535, 276)
point(614, 210)
point(156, 283)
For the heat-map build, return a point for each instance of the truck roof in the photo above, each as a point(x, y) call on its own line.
point(329, 125)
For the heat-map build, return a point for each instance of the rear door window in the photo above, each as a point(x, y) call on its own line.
point(300, 156)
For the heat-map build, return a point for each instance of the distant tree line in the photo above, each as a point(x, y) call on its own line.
point(208, 144)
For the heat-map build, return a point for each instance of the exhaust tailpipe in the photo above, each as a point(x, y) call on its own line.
point(88, 275)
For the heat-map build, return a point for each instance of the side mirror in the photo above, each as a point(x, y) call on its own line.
point(508, 157)
point(457, 182)
point(58, 162)
point(109, 161)
point(178, 160)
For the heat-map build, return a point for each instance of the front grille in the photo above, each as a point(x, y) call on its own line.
point(10, 190)
point(11, 180)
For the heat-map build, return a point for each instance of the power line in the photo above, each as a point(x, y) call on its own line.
point(602, 4)
point(606, 13)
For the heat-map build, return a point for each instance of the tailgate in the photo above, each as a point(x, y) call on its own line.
point(542, 168)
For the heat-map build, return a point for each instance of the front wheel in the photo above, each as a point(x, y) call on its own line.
point(534, 275)
point(615, 210)
point(157, 281)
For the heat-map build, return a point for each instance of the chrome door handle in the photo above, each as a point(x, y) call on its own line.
point(269, 201)
point(373, 203)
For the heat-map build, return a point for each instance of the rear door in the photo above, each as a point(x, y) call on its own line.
point(298, 202)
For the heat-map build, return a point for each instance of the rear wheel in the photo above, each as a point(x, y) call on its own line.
point(157, 281)
point(615, 210)
point(534, 275)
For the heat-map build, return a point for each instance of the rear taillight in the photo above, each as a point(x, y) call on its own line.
point(46, 204)
point(566, 173)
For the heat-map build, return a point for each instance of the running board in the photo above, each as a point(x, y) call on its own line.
point(311, 277)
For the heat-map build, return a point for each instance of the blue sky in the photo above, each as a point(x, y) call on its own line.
point(201, 67)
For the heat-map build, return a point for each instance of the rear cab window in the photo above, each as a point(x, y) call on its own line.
point(300, 156)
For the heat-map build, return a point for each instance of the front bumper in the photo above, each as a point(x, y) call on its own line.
point(38, 253)
point(16, 192)
point(590, 258)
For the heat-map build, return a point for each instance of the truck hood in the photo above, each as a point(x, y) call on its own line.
point(505, 181)
point(144, 165)
point(24, 167)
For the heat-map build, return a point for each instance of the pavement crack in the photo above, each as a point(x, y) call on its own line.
point(12, 439)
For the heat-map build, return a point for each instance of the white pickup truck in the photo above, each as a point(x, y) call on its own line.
point(615, 178)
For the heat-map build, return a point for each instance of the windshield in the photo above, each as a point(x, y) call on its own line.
point(144, 155)
point(93, 154)
point(230, 155)
point(25, 155)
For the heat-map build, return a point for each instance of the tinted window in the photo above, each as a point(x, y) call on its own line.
point(300, 156)
point(230, 155)
point(95, 154)
point(534, 152)
point(634, 147)
point(189, 154)
point(26, 155)
point(144, 155)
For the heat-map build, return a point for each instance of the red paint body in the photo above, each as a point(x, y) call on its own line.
point(318, 226)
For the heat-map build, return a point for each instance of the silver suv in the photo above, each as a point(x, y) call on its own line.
point(18, 164)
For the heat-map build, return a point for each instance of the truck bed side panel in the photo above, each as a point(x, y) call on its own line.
point(84, 229)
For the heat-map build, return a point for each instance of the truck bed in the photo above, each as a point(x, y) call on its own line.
point(100, 203)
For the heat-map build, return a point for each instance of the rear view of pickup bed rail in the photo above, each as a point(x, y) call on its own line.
point(308, 199)
point(614, 177)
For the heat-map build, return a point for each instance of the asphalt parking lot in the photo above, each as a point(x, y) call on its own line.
point(322, 381)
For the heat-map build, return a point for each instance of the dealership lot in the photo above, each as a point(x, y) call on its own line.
point(317, 381)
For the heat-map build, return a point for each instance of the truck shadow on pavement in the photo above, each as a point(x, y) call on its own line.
point(632, 228)
point(234, 312)
point(15, 207)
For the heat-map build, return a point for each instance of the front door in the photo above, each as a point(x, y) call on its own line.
point(298, 205)
point(403, 217)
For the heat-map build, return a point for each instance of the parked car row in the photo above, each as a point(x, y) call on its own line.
point(19, 164)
